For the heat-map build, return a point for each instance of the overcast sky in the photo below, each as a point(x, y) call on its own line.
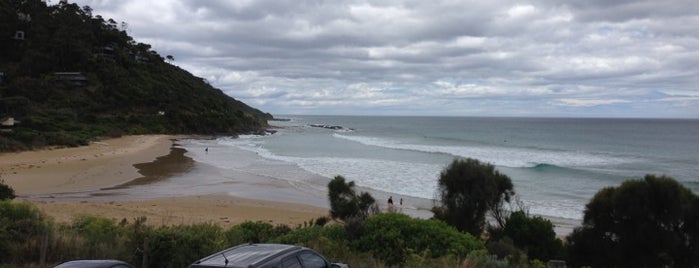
point(587, 58)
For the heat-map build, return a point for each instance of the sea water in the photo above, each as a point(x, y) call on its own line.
point(556, 164)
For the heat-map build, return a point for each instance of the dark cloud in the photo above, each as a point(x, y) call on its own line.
point(542, 57)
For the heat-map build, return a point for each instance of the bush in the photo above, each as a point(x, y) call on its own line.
point(468, 189)
point(6, 192)
point(393, 237)
point(254, 232)
point(180, 246)
point(20, 225)
point(652, 222)
point(481, 259)
point(345, 203)
point(505, 248)
point(100, 235)
point(534, 235)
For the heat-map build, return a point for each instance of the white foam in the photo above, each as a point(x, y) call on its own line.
point(501, 156)
point(413, 179)
point(403, 178)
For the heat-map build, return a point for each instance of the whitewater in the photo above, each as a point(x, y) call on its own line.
point(556, 164)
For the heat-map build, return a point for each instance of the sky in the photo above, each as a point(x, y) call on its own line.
point(541, 58)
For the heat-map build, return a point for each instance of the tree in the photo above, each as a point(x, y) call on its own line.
point(345, 203)
point(468, 189)
point(534, 235)
point(653, 222)
point(170, 58)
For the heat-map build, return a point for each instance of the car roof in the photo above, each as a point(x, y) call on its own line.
point(247, 255)
point(91, 264)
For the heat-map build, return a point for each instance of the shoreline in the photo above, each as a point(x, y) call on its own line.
point(154, 176)
point(259, 175)
point(101, 164)
point(50, 179)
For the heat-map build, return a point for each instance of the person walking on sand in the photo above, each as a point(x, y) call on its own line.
point(390, 204)
point(401, 205)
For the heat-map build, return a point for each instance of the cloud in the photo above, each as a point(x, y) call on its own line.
point(589, 102)
point(534, 58)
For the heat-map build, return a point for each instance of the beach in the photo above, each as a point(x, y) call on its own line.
point(174, 180)
point(51, 178)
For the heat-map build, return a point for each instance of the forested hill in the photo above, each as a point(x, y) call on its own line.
point(67, 77)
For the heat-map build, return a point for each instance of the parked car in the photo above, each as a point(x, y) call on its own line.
point(94, 264)
point(266, 256)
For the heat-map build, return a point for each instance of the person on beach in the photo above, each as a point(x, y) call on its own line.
point(390, 204)
point(401, 205)
point(206, 150)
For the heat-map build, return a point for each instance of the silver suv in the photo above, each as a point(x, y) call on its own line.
point(266, 256)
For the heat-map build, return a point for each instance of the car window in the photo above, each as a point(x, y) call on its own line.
point(291, 262)
point(312, 260)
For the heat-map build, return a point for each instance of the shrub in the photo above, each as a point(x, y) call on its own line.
point(179, 246)
point(481, 259)
point(254, 232)
point(505, 249)
point(468, 189)
point(393, 237)
point(6, 192)
point(652, 222)
point(20, 225)
point(322, 221)
point(345, 203)
point(534, 235)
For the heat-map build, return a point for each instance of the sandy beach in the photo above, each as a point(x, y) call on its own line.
point(36, 176)
point(150, 176)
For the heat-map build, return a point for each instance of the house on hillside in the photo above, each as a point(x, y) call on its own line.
point(8, 122)
point(19, 35)
point(107, 52)
point(76, 78)
point(25, 20)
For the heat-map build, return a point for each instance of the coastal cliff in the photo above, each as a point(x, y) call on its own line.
point(68, 77)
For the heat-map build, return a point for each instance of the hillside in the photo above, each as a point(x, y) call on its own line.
point(67, 77)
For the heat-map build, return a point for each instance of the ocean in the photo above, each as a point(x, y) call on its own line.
point(556, 164)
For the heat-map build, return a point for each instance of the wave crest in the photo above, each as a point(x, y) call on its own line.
point(513, 157)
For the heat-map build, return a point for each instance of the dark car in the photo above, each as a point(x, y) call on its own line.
point(94, 264)
point(266, 256)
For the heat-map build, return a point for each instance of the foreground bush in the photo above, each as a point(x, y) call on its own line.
point(254, 232)
point(22, 227)
point(533, 235)
point(6, 192)
point(652, 222)
point(28, 239)
point(179, 246)
point(393, 237)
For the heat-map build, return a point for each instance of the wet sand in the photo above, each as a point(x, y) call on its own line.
point(44, 177)
point(149, 176)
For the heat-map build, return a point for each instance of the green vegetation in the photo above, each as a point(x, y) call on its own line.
point(28, 237)
point(113, 85)
point(6, 192)
point(468, 189)
point(393, 237)
point(653, 222)
point(534, 236)
point(345, 204)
